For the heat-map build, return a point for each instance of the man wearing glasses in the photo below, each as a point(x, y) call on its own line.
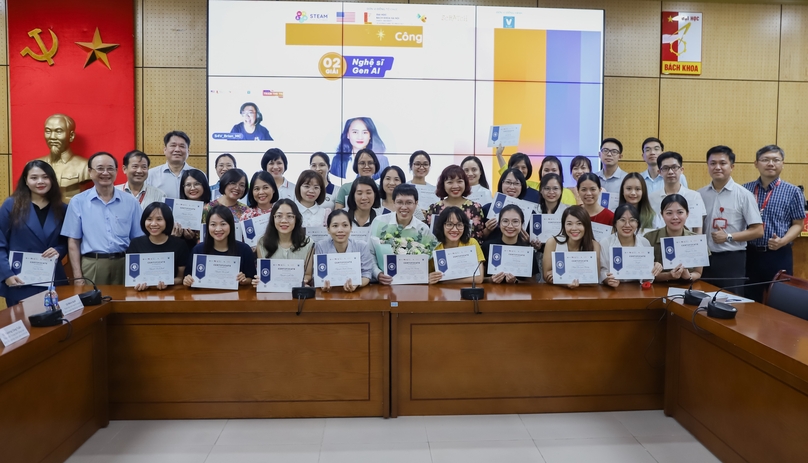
point(669, 165)
point(651, 148)
point(611, 177)
point(781, 206)
point(99, 224)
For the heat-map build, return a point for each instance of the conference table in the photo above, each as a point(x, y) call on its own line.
point(740, 386)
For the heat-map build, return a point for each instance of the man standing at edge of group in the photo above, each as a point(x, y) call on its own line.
point(732, 219)
point(99, 224)
point(669, 165)
point(781, 206)
point(136, 169)
point(611, 176)
point(651, 148)
point(167, 176)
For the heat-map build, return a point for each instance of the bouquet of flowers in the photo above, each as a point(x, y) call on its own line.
point(406, 245)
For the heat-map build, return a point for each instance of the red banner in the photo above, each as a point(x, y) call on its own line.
point(76, 58)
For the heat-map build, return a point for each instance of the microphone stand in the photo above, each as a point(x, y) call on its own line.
point(474, 293)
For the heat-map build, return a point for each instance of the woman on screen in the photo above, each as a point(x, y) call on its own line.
point(224, 162)
point(453, 188)
point(263, 194)
point(339, 230)
point(285, 237)
point(634, 191)
point(365, 164)
point(391, 177)
point(589, 192)
point(511, 219)
point(359, 133)
point(220, 240)
point(250, 128)
point(274, 161)
point(321, 163)
point(480, 191)
point(575, 236)
point(30, 221)
point(363, 202)
point(452, 229)
point(674, 212)
point(624, 234)
point(233, 187)
point(309, 196)
point(157, 222)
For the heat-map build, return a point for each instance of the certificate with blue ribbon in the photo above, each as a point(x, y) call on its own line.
point(149, 268)
point(454, 263)
point(253, 229)
point(316, 234)
point(31, 267)
point(504, 135)
point(690, 251)
point(407, 269)
point(543, 226)
point(631, 263)
point(570, 266)
point(516, 260)
point(337, 268)
point(501, 200)
point(600, 231)
point(279, 275)
point(215, 272)
point(609, 201)
point(187, 213)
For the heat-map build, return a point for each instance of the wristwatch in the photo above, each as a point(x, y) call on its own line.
point(729, 238)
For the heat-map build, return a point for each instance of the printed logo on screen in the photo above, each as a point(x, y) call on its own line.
point(421, 17)
point(134, 267)
point(301, 17)
point(509, 22)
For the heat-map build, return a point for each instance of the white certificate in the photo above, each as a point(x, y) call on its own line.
point(631, 263)
point(454, 263)
point(186, 212)
point(254, 228)
point(482, 196)
point(316, 234)
point(569, 266)
point(504, 135)
point(239, 231)
point(360, 234)
point(697, 211)
point(150, 268)
point(501, 200)
point(516, 260)
point(609, 201)
point(216, 272)
point(426, 196)
point(31, 267)
point(690, 251)
point(338, 268)
point(601, 231)
point(407, 269)
point(279, 275)
point(544, 226)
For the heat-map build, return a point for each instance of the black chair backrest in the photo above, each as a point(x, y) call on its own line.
point(789, 299)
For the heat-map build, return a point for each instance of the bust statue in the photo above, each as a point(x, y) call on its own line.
point(71, 170)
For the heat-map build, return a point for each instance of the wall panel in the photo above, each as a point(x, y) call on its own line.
point(174, 99)
point(3, 34)
point(792, 114)
point(5, 128)
point(632, 38)
point(794, 43)
point(175, 33)
point(631, 106)
point(5, 175)
point(139, 109)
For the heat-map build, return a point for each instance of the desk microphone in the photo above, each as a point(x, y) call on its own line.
point(474, 293)
point(694, 297)
point(53, 316)
point(727, 311)
point(302, 293)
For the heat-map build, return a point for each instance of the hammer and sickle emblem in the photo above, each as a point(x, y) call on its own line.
point(47, 55)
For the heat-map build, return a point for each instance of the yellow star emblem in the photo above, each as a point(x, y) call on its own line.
point(97, 49)
point(670, 19)
point(380, 35)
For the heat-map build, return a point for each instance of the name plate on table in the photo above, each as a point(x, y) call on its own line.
point(13, 333)
point(516, 260)
point(31, 267)
point(501, 200)
point(544, 226)
point(149, 268)
point(454, 263)
point(279, 275)
point(316, 234)
point(609, 201)
point(690, 251)
point(360, 234)
point(254, 228)
point(426, 196)
point(600, 231)
point(186, 212)
point(407, 269)
point(570, 266)
point(215, 272)
point(71, 304)
point(338, 268)
point(631, 263)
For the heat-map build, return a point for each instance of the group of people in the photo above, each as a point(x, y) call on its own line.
point(749, 228)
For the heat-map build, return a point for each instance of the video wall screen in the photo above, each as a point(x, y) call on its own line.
point(338, 77)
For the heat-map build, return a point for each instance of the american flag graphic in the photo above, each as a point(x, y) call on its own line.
point(343, 17)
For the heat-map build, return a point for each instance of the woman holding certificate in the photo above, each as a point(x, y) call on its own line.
point(453, 187)
point(285, 237)
point(674, 212)
point(635, 192)
point(193, 187)
point(589, 192)
point(157, 222)
point(31, 222)
point(480, 191)
point(263, 194)
point(511, 183)
point(363, 202)
point(339, 230)
point(624, 235)
point(511, 219)
point(233, 187)
point(453, 231)
point(575, 236)
point(220, 240)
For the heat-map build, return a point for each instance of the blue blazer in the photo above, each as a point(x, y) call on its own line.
point(28, 237)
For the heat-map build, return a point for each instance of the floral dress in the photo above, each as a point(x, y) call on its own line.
point(473, 210)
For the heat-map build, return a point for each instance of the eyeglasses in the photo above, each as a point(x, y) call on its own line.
point(456, 226)
point(105, 169)
point(511, 184)
point(193, 185)
point(770, 160)
point(366, 164)
point(405, 203)
point(279, 217)
point(551, 189)
point(632, 221)
point(608, 152)
point(508, 223)
point(419, 165)
point(673, 168)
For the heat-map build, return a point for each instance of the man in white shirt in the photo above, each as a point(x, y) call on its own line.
point(611, 176)
point(167, 176)
point(651, 148)
point(136, 169)
point(732, 219)
point(669, 164)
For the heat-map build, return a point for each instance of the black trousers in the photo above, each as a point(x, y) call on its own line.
point(730, 266)
point(762, 265)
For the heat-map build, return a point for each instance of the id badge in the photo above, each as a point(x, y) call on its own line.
point(719, 223)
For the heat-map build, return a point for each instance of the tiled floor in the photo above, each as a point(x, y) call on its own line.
point(620, 437)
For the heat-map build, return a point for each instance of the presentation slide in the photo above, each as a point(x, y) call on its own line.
point(310, 76)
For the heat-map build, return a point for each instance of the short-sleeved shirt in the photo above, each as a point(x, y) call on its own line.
point(656, 198)
point(162, 178)
point(369, 269)
point(177, 246)
point(147, 195)
point(612, 184)
point(471, 242)
point(246, 265)
point(313, 216)
point(786, 204)
point(605, 217)
point(286, 190)
point(658, 183)
point(103, 228)
point(734, 203)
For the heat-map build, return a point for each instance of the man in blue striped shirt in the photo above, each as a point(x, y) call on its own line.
point(781, 206)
